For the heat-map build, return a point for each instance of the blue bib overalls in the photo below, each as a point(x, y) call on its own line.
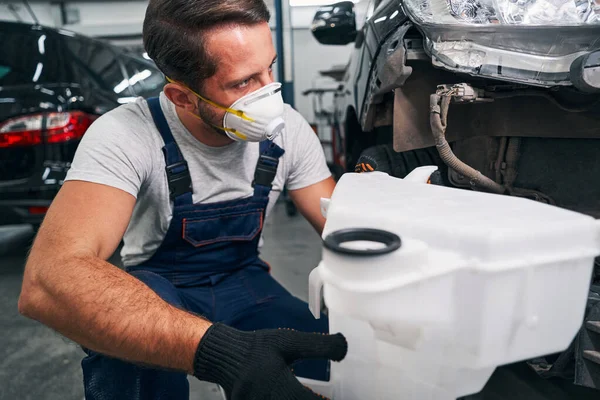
point(208, 263)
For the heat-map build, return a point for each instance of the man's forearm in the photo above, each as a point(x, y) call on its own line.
point(109, 311)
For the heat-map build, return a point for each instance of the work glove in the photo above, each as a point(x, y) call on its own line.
point(256, 365)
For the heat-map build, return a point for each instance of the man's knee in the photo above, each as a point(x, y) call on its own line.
point(161, 286)
point(281, 312)
point(109, 378)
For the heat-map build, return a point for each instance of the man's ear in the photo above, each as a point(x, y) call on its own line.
point(181, 97)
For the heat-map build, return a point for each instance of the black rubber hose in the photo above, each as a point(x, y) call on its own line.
point(438, 127)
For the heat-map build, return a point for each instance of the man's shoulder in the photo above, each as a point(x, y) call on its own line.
point(129, 115)
point(298, 130)
point(129, 122)
point(291, 115)
point(119, 149)
point(122, 134)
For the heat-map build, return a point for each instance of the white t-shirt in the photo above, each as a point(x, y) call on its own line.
point(123, 149)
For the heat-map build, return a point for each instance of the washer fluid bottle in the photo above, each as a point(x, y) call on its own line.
point(436, 287)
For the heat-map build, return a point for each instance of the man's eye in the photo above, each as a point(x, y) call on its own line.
point(243, 84)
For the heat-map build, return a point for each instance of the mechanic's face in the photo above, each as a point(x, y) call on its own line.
point(245, 56)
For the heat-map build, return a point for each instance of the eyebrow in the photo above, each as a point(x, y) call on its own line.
point(238, 81)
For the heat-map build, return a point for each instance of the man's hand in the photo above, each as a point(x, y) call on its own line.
point(256, 365)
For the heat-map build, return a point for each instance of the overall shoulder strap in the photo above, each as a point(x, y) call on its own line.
point(266, 168)
point(178, 174)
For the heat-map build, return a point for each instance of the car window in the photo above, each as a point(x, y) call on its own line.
point(370, 9)
point(145, 80)
point(30, 57)
point(98, 65)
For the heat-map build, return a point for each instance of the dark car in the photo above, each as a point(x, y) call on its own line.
point(53, 85)
point(502, 97)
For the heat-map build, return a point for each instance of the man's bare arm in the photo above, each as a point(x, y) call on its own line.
point(308, 201)
point(69, 286)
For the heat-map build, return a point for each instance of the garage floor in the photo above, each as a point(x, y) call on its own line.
point(36, 363)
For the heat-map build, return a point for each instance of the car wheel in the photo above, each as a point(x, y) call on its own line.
point(353, 155)
point(290, 208)
point(336, 171)
point(383, 158)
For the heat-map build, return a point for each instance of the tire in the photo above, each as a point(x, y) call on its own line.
point(383, 158)
point(290, 208)
point(354, 154)
point(336, 171)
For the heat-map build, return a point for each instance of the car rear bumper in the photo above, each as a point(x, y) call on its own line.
point(15, 212)
point(24, 204)
point(26, 201)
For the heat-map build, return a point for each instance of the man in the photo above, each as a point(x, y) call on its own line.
point(186, 181)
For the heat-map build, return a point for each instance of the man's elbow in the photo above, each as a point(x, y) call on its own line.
point(28, 301)
point(25, 305)
point(32, 295)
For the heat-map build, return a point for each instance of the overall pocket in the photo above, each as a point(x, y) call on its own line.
point(238, 226)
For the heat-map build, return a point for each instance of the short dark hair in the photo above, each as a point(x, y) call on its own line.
point(174, 31)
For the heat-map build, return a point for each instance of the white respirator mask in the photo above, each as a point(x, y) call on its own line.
point(255, 117)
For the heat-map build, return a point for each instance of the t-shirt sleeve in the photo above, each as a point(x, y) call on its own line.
point(308, 163)
point(112, 153)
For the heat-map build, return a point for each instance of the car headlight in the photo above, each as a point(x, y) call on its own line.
point(506, 12)
point(534, 42)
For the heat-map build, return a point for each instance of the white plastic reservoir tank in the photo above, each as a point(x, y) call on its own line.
point(435, 287)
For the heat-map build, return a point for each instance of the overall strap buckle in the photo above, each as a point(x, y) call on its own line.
point(178, 176)
point(266, 170)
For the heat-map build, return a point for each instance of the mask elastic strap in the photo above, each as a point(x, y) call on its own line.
point(237, 113)
point(234, 131)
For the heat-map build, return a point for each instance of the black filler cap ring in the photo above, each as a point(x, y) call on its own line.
point(334, 241)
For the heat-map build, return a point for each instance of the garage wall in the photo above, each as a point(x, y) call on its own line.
point(121, 23)
point(310, 57)
point(46, 13)
point(102, 19)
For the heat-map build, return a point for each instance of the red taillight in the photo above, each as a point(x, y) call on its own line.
point(38, 210)
point(68, 126)
point(59, 127)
